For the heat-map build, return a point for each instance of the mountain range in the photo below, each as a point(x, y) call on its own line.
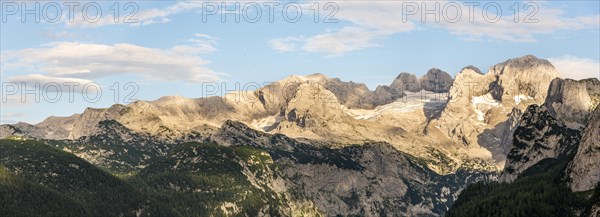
point(319, 146)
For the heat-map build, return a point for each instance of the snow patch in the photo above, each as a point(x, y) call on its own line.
point(520, 98)
point(486, 99)
point(481, 104)
point(411, 102)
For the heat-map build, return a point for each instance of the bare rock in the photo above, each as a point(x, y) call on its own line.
point(436, 81)
point(523, 76)
point(538, 136)
point(569, 101)
point(584, 170)
point(407, 82)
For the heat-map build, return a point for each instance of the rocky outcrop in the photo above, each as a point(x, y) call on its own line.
point(276, 96)
point(371, 179)
point(9, 130)
point(436, 81)
point(87, 124)
point(523, 76)
point(481, 107)
point(569, 101)
point(384, 95)
point(498, 139)
point(51, 128)
point(459, 120)
point(358, 95)
point(584, 170)
point(538, 136)
point(407, 82)
point(315, 113)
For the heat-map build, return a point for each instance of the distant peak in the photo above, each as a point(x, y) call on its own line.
point(405, 74)
point(528, 60)
point(167, 99)
point(317, 75)
point(472, 68)
point(528, 57)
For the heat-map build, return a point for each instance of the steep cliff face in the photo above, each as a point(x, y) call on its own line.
point(459, 120)
point(584, 170)
point(539, 136)
point(524, 76)
point(551, 170)
point(569, 101)
point(553, 131)
point(483, 108)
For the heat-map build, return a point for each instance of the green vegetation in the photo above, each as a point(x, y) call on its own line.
point(194, 179)
point(537, 192)
point(19, 197)
point(38, 180)
point(199, 179)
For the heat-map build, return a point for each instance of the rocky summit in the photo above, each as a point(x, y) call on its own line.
point(429, 145)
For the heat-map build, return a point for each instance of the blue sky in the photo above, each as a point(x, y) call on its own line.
point(170, 50)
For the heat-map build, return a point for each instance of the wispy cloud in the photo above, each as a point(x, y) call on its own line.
point(548, 20)
point(92, 61)
point(286, 44)
point(201, 44)
point(143, 17)
point(372, 20)
point(345, 40)
point(576, 68)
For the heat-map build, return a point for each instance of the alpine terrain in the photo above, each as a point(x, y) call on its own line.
point(518, 140)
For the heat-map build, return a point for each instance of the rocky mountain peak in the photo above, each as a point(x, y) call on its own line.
point(469, 82)
point(312, 101)
point(436, 81)
point(87, 124)
point(318, 77)
point(472, 68)
point(407, 82)
point(524, 76)
point(570, 102)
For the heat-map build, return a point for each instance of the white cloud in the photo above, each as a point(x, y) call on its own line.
point(345, 40)
point(286, 44)
point(92, 61)
point(143, 17)
point(576, 68)
point(549, 20)
point(371, 20)
point(201, 44)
